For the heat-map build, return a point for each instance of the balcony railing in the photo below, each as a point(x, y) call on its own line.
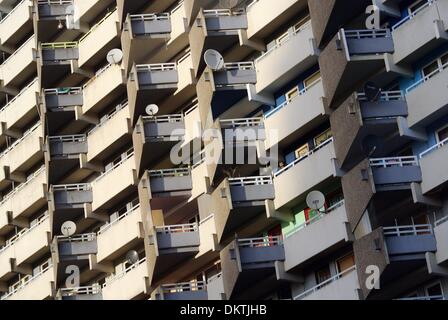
point(97, 75)
point(12, 11)
point(246, 65)
point(109, 116)
point(427, 77)
point(73, 138)
point(366, 34)
point(107, 226)
point(260, 242)
point(412, 230)
point(17, 50)
point(438, 146)
point(325, 283)
point(21, 186)
point(238, 123)
point(172, 118)
point(150, 17)
point(77, 291)
point(178, 228)
point(156, 67)
point(63, 91)
point(72, 187)
point(384, 96)
point(121, 274)
point(10, 102)
point(316, 218)
point(183, 287)
point(298, 160)
point(59, 45)
point(213, 13)
point(53, 2)
point(169, 173)
point(290, 100)
point(250, 181)
point(394, 162)
point(129, 154)
point(22, 283)
point(413, 14)
point(86, 237)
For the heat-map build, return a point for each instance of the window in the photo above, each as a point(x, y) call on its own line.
point(291, 94)
point(283, 38)
point(308, 82)
point(442, 134)
point(439, 64)
point(346, 262)
point(323, 275)
point(321, 138)
point(302, 151)
point(299, 25)
point(414, 7)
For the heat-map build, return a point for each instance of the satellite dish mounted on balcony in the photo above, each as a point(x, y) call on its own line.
point(372, 91)
point(132, 257)
point(214, 60)
point(68, 228)
point(114, 56)
point(315, 200)
point(152, 109)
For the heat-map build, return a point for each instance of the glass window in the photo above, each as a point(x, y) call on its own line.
point(302, 151)
point(308, 82)
point(346, 262)
point(442, 134)
point(444, 60)
point(291, 94)
point(430, 70)
point(413, 8)
point(324, 136)
point(323, 275)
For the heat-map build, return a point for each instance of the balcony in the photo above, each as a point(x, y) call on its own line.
point(25, 247)
point(307, 108)
point(343, 286)
point(235, 74)
point(440, 233)
point(16, 23)
point(409, 240)
point(314, 168)
point(422, 31)
point(20, 66)
point(115, 184)
point(433, 166)
point(352, 57)
point(104, 88)
point(99, 40)
point(333, 223)
point(27, 198)
point(120, 234)
point(280, 12)
point(20, 110)
point(21, 156)
point(56, 64)
point(170, 182)
point(150, 83)
point(130, 284)
point(359, 119)
point(395, 173)
point(81, 293)
point(154, 137)
point(249, 266)
point(425, 107)
point(170, 246)
point(87, 11)
point(110, 134)
point(283, 62)
point(239, 200)
point(195, 290)
point(39, 286)
point(215, 29)
point(66, 158)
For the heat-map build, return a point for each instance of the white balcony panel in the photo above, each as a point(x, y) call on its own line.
point(33, 243)
point(345, 288)
point(127, 286)
point(15, 21)
point(40, 288)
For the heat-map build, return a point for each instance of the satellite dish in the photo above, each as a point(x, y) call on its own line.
point(152, 109)
point(214, 59)
point(68, 228)
point(114, 56)
point(315, 200)
point(372, 91)
point(132, 257)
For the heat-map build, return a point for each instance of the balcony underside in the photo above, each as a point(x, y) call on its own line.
point(254, 284)
point(66, 170)
point(58, 74)
point(63, 122)
point(165, 262)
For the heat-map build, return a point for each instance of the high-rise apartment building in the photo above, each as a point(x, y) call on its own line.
point(113, 122)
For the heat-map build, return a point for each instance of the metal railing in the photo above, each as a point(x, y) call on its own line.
point(63, 91)
point(51, 2)
point(411, 230)
point(394, 162)
point(72, 187)
point(59, 45)
point(171, 118)
point(260, 242)
point(250, 181)
point(367, 34)
point(178, 228)
point(121, 274)
point(76, 291)
point(306, 156)
point(107, 226)
point(427, 77)
point(183, 287)
point(245, 65)
point(290, 100)
point(385, 96)
point(150, 17)
point(86, 237)
point(213, 13)
point(243, 122)
point(423, 298)
point(413, 14)
point(316, 218)
point(170, 66)
point(438, 146)
point(169, 173)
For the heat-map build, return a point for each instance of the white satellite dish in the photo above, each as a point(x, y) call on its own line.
point(68, 228)
point(114, 56)
point(214, 59)
point(315, 200)
point(152, 109)
point(132, 257)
